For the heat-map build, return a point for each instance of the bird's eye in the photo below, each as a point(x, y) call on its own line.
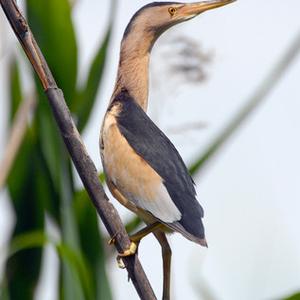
point(172, 11)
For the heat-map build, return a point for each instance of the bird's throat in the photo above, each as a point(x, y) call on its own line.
point(133, 76)
point(133, 72)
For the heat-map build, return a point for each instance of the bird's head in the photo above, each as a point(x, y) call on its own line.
point(153, 19)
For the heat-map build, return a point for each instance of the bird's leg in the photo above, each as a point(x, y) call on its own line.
point(135, 240)
point(145, 231)
point(166, 256)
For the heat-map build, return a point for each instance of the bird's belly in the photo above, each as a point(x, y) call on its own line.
point(134, 178)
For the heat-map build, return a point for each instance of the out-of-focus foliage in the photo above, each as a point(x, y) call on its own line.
point(294, 297)
point(86, 96)
point(16, 94)
point(52, 27)
point(41, 181)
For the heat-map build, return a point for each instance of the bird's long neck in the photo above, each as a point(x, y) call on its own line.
point(133, 73)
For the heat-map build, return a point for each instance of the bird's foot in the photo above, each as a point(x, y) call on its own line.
point(132, 249)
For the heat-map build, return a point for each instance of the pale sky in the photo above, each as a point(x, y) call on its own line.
point(251, 193)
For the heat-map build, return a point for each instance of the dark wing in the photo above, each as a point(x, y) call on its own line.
point(153, 146)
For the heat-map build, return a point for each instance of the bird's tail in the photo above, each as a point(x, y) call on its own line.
point(196, 235)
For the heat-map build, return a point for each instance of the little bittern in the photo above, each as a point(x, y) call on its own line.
point(144, 171)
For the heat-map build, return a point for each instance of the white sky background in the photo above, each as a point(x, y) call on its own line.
point(251, 192)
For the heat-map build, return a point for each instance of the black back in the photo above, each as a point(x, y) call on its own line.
point(153, 146)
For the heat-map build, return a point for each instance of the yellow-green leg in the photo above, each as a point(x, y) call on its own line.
point(135, 240)
point(166, 256)
point(145, 231)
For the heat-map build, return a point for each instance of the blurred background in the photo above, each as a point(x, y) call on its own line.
point(224, 88)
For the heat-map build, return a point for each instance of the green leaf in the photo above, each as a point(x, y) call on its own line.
point(70, 233)
point(82, 194)
point(33, 239)
point(23, 185)
point(15, 88)
point(294, 297)
point(102, 178)
point(49, 139)
point(45, 188)
point(23, 270)
point(54, 154)
point(57, 163)
point(87, 95)
point(4, 295)
point(94, 252)
point(52, 27)
point(86, 218)
point(71, 257)
point(133, 224)
point(77, 264)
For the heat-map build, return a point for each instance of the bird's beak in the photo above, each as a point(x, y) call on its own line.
point(190, 10)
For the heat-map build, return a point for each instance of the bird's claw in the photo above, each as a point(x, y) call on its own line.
point(128, 252)
point(120, 262)
point(113, 239)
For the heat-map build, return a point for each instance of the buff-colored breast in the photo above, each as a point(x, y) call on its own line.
point(132, 176)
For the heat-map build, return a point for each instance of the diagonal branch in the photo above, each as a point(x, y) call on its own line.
point(82, 161)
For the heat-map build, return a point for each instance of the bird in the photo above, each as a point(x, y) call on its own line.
point(143, 169)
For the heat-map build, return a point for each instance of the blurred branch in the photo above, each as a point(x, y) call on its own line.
point(16, 137)
point(257, 98)
point(77, 150)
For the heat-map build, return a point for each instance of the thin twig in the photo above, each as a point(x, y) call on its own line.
point(83, 163)
point(16, 137)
